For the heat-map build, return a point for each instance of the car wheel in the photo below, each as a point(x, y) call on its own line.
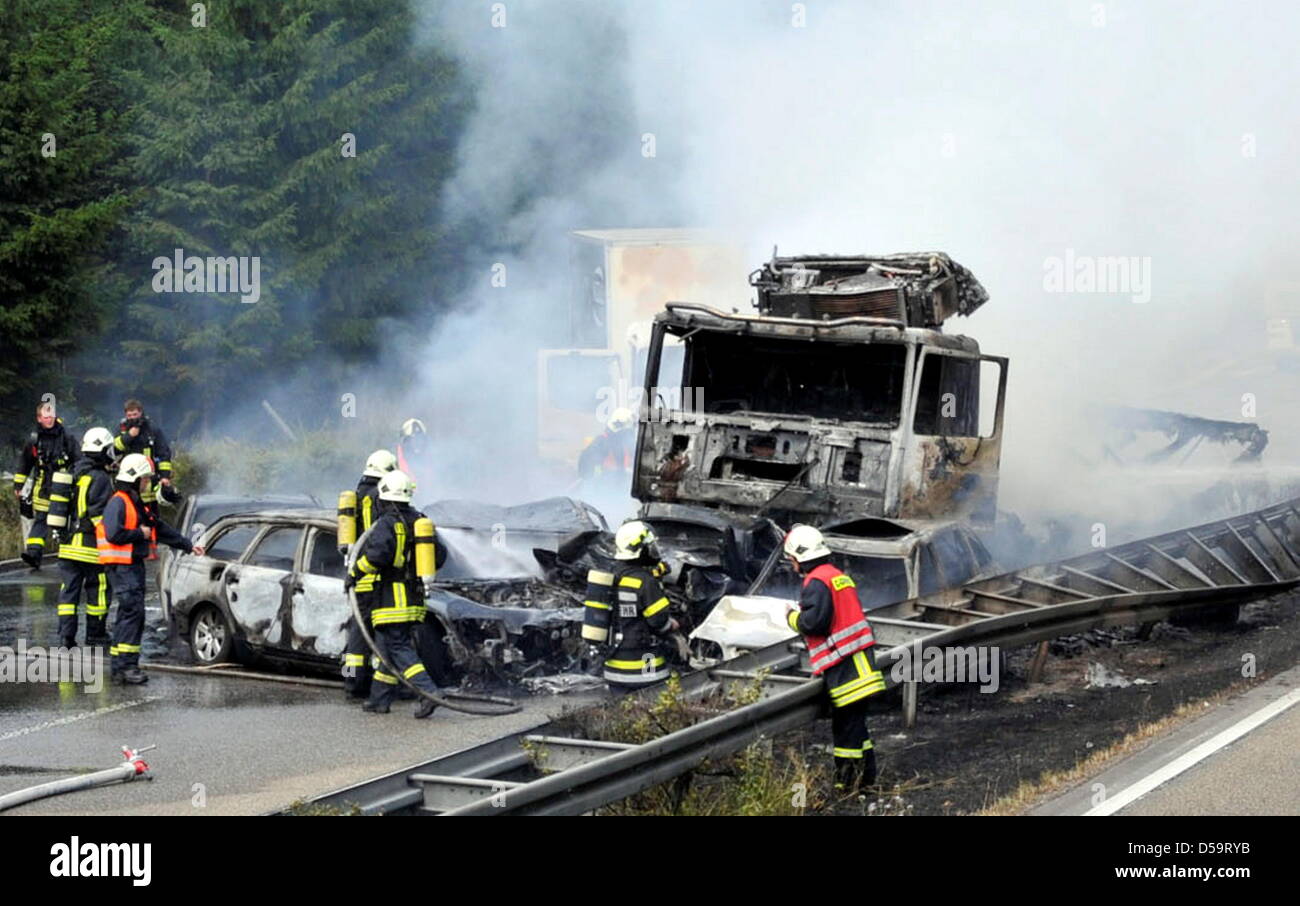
point(211, 637)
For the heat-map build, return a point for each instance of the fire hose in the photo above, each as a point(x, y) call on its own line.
point(502, 705)
point(134, 767)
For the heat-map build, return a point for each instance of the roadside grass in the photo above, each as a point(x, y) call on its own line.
point(1031, 793)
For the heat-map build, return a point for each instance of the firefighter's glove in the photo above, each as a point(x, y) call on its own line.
point(349, 583)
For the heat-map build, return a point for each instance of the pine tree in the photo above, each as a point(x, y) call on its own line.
point(63, 188)
point(240, 143)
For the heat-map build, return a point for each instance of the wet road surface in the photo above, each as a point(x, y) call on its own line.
point(225, 745)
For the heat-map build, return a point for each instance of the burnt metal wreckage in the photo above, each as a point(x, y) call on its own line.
point(844, 427)
point(841, 402)
point(548, 770)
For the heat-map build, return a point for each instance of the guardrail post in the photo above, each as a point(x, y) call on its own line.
point(1039, 662)
point(909, 704)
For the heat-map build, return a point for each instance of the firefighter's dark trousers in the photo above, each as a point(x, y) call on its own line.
point(128, 628)
point(91, 579)
point(37, 536)
point(849, 683)
point(397, 642)
point(855, 756)
point(431, 645)
point(356, 654)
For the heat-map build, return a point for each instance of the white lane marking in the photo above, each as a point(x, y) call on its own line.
point(14, 734)
point(1188, 759)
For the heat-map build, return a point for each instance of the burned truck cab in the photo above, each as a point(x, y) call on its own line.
point(841, 399)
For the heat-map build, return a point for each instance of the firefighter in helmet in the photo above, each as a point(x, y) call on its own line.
point(356, 670)
point(128, 535)
point(610, 453)
point(413, 451)
point(49, 450)
point(389, 558)
point(92, 485)
point(829, 616)
point(634, 613)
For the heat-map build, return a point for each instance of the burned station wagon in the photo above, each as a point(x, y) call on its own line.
point(270, 586)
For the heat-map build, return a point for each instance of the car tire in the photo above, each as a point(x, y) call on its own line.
point(212, 638)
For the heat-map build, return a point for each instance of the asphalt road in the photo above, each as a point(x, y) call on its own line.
point(1241, 758)
point(225, 745)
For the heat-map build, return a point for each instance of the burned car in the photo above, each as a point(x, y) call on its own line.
point(198, 511)
point(269, 586)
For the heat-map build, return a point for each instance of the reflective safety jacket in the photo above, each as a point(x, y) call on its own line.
point(367, 512)
point(388, 559)
point(838, 635)
point(640, 618)
point(127, 534)
point(151, 443)
point(91, 488)
point(47, 451)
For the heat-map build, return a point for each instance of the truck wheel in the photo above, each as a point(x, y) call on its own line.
point(211, 637)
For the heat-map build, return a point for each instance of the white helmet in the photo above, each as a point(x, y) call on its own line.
point(631, 539)
point(133, 467)
point(96, 440)
point(412, 426)
point(619, 419)
point(379, 464)
point(396, 485)
point(804, 543)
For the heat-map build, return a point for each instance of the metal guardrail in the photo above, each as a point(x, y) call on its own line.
point(1211, 566)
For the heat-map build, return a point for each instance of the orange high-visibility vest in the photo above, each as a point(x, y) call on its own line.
point(850, 632)
point(121, 553)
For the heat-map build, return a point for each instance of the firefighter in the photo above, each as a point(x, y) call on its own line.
point(830, 617)
point(413, 450)
point(128, 535)
point(610, 454)
point(356, 671)
point(137, 434)
point(49, 449)
point(643, 633)
point(389, 557)
point(92, 485)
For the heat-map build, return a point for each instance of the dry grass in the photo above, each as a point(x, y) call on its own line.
point(11, 531)
point(1031, 793)
point(759, 780)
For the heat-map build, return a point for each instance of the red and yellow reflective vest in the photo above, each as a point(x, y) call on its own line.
point(849, 633)
point(121, 553)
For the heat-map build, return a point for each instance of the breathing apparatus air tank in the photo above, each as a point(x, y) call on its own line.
point(347, 516)
point(598, 608)
point(60, 495)
point(426, 565)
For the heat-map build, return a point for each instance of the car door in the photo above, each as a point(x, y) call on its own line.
point(192, 579)
point(257, 588)
point(320, 610)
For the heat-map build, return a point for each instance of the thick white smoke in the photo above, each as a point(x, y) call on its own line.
point(1007, 134)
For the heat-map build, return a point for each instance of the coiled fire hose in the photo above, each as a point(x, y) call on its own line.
point(497, 705)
